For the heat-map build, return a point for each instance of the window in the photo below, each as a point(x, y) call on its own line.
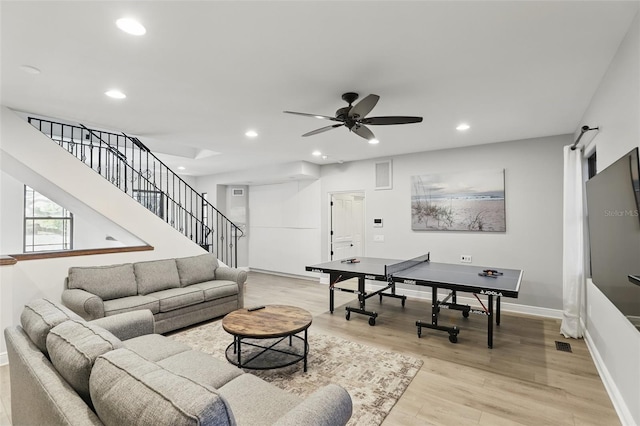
point(47, 226)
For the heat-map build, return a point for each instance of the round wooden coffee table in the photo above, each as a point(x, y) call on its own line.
point(267, 338)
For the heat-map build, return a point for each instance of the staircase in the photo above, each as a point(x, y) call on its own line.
point(128, 164)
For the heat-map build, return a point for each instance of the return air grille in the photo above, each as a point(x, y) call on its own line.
point(563, 346)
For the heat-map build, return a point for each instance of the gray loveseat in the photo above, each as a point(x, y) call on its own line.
point(179, 292)
point(116, 371)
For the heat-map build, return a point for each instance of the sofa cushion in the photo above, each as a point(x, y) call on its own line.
point(156, 275)
point(131, 303)
point(161, 397)
point(197, 269)
point(217, 289)
point(176, 298)
point(40, 316)
point(107, 282)
point(74, 346)
point(201, 367)
point(155, 347)
point(256, 402)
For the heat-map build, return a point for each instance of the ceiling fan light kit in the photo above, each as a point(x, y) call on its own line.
point(354, 117)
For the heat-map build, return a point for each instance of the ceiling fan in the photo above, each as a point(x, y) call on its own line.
point(354, 117)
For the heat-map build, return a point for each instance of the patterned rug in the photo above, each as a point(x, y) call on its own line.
point(374, 378)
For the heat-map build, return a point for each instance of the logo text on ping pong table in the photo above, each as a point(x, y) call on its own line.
point(490, 293)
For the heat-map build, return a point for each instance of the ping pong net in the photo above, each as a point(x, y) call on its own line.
point(389, 270)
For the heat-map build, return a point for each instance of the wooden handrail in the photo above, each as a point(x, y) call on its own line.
point(69, 253)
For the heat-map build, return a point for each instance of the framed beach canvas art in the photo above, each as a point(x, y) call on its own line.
point(462, 201)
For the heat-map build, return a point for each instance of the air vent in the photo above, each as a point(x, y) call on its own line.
point(563, 346)
point(383, 175)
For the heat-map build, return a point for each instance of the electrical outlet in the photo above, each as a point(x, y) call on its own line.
point(465, 258)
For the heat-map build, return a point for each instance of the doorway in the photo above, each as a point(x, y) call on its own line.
point(346, 225)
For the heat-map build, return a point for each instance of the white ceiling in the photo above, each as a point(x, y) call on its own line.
point(207, 71)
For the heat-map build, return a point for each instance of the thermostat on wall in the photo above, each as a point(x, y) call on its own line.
point(377, 223)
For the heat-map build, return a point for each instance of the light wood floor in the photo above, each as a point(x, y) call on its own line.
point(523, 380)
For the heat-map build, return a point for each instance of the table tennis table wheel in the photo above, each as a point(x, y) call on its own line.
point(465, 314)
point(419, 332)
point(348, 316)
point(403, 302)
point(372, 321)
point(453, 338)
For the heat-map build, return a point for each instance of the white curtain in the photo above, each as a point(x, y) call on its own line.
point(573, 245)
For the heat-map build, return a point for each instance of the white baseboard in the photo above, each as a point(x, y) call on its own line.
point(609, 384)
point(4, 359)
point(464, 300)
point(284, 274)
point(426, 295)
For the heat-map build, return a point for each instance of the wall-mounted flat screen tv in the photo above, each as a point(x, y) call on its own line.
point(613, 212)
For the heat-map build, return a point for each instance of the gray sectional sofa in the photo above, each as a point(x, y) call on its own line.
point(116, 371)
point(179, 292)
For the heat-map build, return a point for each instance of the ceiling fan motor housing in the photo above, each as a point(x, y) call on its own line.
point(349, 97)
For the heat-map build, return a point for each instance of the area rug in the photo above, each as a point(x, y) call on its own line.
point(374, 378)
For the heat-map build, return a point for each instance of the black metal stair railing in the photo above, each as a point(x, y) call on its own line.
point(128, 164)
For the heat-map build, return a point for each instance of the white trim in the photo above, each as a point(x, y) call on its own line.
point(284, 274)
point(426, 295)
point(624, 414)
point(504, 307)
point(4, 359)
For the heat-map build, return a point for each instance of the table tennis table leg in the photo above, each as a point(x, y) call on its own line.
point(498, 310)
point(453, 331)
point(362, 297)
point(331, 301)
point(490, 322)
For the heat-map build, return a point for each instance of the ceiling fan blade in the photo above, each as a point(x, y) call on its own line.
point(323, 117)
point(363, 132)
point(364, 107)
point(322, 129)
point(391, 120)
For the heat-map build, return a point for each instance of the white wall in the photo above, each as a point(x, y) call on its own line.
point(284, 226)
point(533, 187)
point(289, 222)
point(613, 341)
point(11, 214)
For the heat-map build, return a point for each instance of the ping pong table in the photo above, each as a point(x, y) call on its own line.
point(490, 282)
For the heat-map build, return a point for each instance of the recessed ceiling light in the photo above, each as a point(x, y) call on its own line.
point(373, 141)
point(115, 94)
point(131, 26)
point(251, 133)
point(30, 70)
point(463, 126)
point(181, 168)
point(316, 153)
point(324, 157)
